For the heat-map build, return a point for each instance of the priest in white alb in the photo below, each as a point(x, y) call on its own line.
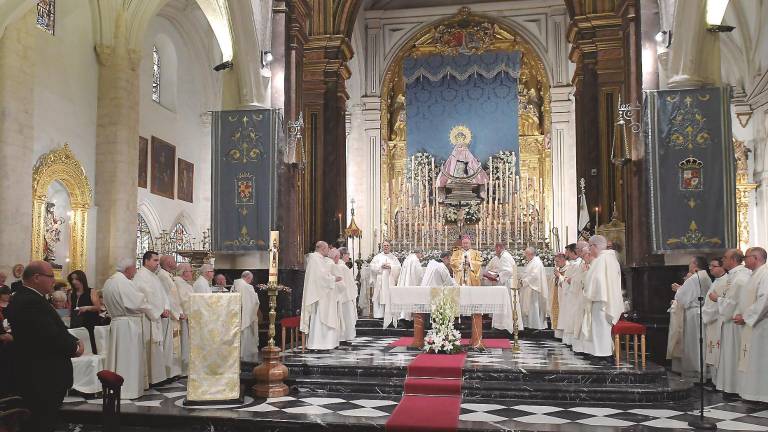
point(753, 384)
point(249, 324)
point(385, 270)
point(349, 299)
point(567, 305)
point(534, 291)
point(727, 379)
point(411, 273)
point(686, 299)
point(604, 303)
point(437, 273)
point(578, 283)
point(185, 291)
point(556, 291)
point(319, 311)
point(172, 345)
point(711, 317)
point(502, 271)
point(126, 305)
point(203, 283)
point(147, 281)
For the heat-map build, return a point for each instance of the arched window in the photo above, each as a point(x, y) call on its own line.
point(46, 15)
point(180, 240)
point(155, 74)
point(143, 239)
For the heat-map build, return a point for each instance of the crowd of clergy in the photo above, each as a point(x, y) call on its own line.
point(728, 297)
point(150, 309)
point(582, 300)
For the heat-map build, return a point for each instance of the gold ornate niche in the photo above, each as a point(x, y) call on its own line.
point(744, 190)
point(61, 165)
point(533, 92)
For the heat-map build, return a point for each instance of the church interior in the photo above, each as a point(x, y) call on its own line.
point(390, 215)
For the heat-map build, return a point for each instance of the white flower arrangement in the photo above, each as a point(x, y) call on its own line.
point(443, 338)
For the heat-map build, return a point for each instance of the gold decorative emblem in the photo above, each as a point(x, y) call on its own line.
point(464, 36)
point(690, 174)
point(693, 239)
point(688, 125)
point(460, 136)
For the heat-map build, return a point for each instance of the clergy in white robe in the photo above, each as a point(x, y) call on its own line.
point(411, 273)
point(171, 345)
point(502, 271)
point(568, 304)
point(149, 284)
point(727, 379)
point(126, 305)
point(534, 292)
point(249, 324)
point(604, 303)
point(385, 270)
point(754, 382)
point(203, 283)
point(349, 299)
point(579, 283)
point(687, 301)
point(712, 322)
point(556, 293)
point(437, 274)
point(319, 312)
point(185, 291)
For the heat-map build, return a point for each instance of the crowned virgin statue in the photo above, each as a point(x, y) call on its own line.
point(462, 176)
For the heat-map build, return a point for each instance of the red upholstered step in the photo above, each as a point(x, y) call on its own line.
point(433, 386)
point(290, 322)
point(437, 365)
point(624, 327)
point(425, 413)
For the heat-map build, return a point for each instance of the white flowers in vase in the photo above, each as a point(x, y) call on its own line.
point(443, 338)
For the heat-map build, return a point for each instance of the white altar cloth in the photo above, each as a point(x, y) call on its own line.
point(495, 300)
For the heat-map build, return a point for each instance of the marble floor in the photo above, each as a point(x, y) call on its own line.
point(161, 408)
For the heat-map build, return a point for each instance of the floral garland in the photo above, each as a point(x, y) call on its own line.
point(443, 338)
point(547, 256)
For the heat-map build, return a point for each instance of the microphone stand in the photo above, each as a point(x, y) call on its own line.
point(700, 423)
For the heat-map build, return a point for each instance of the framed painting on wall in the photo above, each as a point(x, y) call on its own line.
point(143, 159)
point(163, 173)
point(185, 181)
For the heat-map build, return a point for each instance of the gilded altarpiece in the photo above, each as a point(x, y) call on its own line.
point(467, 33)
point(61, 165)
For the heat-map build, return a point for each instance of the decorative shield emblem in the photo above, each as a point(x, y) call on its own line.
point(691, 174)
point(244, 183)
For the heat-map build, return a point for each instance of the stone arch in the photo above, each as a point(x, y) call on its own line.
point(150, 217)
point(61, 165)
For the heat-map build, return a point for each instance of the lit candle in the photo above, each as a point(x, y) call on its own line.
point(341, 230)
point(445, 237)
point(597, 219)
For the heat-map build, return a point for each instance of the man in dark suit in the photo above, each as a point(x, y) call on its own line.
point(43, 348)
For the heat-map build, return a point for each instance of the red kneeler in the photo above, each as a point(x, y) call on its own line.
point(292, 323)
point(627, 328)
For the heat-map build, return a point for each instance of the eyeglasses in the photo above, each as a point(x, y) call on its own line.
point(47, 275)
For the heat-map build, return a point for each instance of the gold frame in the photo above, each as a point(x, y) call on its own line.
point(744, 189)
point(535, 155)
point(62, 165)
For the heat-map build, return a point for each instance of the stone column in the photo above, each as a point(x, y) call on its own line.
point(17, 77)
point(694, 57)
point(117, 153)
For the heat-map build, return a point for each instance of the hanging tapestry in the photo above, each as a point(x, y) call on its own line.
point(691, 170)
point(243, 179)
point(478, 91)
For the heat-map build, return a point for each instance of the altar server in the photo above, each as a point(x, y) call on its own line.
point(411, 274)
point(502, 270)
point(171, 345)
point(319, 312)
point(249, 324)
point(534, 291)
point(437, 273)
point(686, 300)
point(727, 379)
point(385, 270)
point(154, 325)
point(127, 306)
point(753, 384)
point(185, 295)
point(604, 304)
point(349, 299)
point(567, 305)
point(711, 317)
point(203, 283)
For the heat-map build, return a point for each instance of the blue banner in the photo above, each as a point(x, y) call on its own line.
point(243, 179)
point(691, 170)
point(478, 91)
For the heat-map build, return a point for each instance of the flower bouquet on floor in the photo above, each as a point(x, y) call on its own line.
point(443, 338)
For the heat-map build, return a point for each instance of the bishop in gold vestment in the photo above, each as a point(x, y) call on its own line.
point(466, 263)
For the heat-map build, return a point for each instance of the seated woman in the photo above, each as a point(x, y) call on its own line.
point(85, 304)
point(60, 303)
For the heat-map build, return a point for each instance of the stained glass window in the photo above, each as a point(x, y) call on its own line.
point(46, 15)
point(180, 240)
point(155, 74)
point(143, 239)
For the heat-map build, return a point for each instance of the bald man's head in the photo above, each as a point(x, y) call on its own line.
point(39, 276)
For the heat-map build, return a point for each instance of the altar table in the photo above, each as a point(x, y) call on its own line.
point(473, 300)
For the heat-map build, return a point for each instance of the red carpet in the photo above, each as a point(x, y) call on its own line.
point(432, 400)
point(489, 343)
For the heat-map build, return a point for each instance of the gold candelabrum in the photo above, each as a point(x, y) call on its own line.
point(515, 327)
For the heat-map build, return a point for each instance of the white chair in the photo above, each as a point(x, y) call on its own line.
point(101, 334)
point(85, 367)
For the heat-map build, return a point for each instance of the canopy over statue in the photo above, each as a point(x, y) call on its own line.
point(462, 174)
